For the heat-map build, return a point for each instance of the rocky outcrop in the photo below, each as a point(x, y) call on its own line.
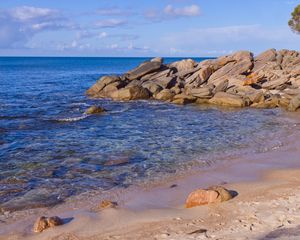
point(215, 194)
point(269, 80)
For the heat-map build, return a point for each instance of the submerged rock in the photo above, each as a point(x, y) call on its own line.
point(215, 194)
point(95, 110)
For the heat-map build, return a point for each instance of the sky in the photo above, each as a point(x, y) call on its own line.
point(132, 28)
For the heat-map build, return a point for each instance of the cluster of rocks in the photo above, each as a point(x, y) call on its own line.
point(269, 80)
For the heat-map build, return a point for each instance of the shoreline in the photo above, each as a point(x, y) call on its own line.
point(140, 206)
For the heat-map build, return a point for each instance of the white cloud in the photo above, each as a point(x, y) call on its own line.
point(113, 11)
point(171, 12)
point(110, 23)
point(188, 11)
point(20, 24)
point(27, 13)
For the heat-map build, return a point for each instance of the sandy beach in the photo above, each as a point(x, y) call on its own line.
point(266, 207)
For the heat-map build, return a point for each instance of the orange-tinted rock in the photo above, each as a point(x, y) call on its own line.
point(215, 194)
point(42, 223)
point(108, 204)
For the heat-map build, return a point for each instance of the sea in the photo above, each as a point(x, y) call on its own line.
point(50, 150)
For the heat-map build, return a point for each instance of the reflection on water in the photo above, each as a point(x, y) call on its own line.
point(50, 150)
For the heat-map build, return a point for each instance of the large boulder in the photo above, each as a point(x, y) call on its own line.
point(294, 103)
point(183, 65)
point(101, 84)
point(153, 87)
point(165, 95)
point(211, 195)
point(131, 93)
point(227, 99)
point(237, 64)
point(183, 99)
point(203, 92)
point(143, 69)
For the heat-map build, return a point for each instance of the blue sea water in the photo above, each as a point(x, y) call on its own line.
point(50, 151)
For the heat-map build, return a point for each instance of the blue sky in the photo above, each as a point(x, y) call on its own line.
point(144, 28)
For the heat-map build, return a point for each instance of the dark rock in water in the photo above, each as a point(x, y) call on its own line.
point(43, 223)
point(95, 110)
point(143, 69)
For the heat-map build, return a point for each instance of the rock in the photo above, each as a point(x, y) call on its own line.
point(101, 84)
point(236, 64)
point(224, 194)
point(55, 221)
point(176, 90)
point(143, 69)
point(131, 93)
point(204, 92)
point(165, 95)
point(269, 103)
point(227, 99)
point(95, 110)
point(221, 86)
point(183, 99)
point(152, 87)
point(183, 65)
point(157, 59)
point(42, 223)
point(275, 83)
point(253, 78)
point(294, 103)
point(269, 55)
point(211, 195)
point(107, 204)
point(166, 82)
point(256, 96)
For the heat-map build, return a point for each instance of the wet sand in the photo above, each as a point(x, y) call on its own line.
point(267, 205)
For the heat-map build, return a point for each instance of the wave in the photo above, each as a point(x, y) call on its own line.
point(120, 111)
point(73, 119)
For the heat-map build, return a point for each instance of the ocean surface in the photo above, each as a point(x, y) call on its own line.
point(50, 150)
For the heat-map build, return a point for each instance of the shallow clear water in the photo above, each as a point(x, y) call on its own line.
point(49, 150)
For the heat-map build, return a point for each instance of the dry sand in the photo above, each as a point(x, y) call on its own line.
point(267, 206)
